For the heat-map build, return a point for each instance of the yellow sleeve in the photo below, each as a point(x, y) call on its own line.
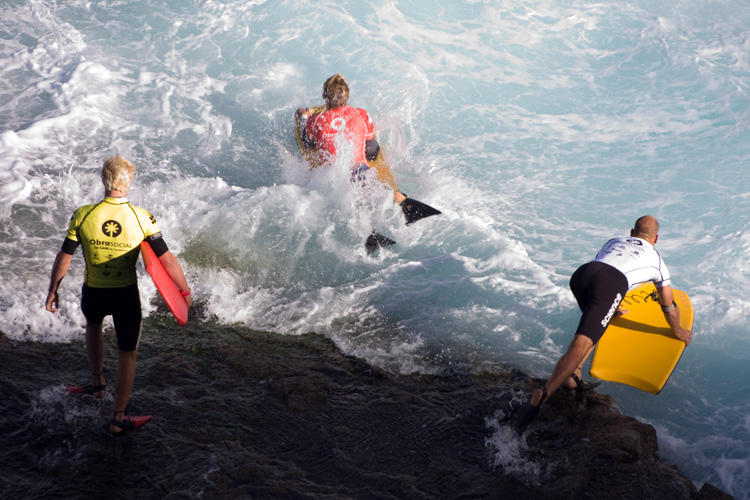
point(147, 222)
point(75, 222)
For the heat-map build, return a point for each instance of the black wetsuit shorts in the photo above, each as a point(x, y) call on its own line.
point(598, 288)
point(124, 304)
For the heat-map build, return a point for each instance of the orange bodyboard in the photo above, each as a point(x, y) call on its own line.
point(167, 288)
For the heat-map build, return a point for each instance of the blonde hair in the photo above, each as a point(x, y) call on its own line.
point(117, 174)
point(336, 91)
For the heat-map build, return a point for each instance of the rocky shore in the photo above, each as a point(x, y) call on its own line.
point(246, 414)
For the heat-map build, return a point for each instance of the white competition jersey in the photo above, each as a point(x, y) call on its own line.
point(637, 259)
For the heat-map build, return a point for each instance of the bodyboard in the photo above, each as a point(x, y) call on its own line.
point(167, 288)
point(379, 164)
point(639, 348)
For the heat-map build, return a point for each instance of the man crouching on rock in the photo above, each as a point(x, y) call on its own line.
point(599, 286)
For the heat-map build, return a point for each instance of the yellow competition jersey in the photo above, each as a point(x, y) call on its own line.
point(110, 233)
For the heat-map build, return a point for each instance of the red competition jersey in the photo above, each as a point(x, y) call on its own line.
point(324, 128)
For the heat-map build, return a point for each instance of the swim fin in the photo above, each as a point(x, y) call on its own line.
point(86, 389)
point(415, 210)
point(581, 386)
point(522, 416)
point(375, 241)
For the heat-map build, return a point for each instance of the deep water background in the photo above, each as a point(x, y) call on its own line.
point(540, 129)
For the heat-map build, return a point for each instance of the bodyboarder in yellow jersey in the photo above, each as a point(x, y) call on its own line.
point(110, 233)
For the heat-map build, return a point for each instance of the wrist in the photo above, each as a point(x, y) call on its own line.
point(669, 308)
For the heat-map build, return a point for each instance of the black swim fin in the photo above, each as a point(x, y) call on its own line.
point(581, 386)
point(415, 210)
point(522, 416)
point(375, 241)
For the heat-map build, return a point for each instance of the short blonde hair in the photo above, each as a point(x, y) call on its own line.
point(117, 174)
point(336, 91)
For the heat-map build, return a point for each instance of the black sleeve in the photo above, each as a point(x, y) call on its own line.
point(69, 246)
point(158, 245)
point(372, 148)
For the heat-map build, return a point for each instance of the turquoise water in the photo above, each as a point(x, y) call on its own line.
point(541, 129)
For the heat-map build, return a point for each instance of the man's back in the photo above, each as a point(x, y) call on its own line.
point(111, 232)
point(637, 259)
point(326, 127)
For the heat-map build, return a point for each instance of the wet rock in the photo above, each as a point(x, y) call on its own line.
point(245, 414)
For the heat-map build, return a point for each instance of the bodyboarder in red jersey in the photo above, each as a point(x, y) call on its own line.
point(322, 130)
point(325, 129)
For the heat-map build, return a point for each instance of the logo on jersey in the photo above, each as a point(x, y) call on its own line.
point(338, 123)
point(112, 228)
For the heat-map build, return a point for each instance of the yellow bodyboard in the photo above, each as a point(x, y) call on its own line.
point(379, 164)
point(638, 348)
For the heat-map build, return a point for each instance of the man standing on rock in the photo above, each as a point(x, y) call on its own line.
point(110, 233)
point(599, 286)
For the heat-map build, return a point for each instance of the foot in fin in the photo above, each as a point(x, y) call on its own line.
point(123, 425)
point(523, 415)
point(581, 386)
point(375, 241)
point(415, 210)
point(127, 424)
point(87, 389)
point(90, 389)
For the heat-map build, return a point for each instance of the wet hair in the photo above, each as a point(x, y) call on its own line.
point(117, 174)
point(336, 91)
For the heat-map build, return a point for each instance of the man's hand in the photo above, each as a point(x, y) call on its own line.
point(53, 301)
point(684, 335)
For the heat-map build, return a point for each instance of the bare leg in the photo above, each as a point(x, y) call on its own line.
point(95, 354)
point(570, 383)
point(123, 383)
point(578, 350)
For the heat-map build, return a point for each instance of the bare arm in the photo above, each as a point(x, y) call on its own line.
point(174, 270)
point(59, 270)
point(666, 299)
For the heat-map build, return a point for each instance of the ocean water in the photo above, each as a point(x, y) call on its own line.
point(541, 129)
